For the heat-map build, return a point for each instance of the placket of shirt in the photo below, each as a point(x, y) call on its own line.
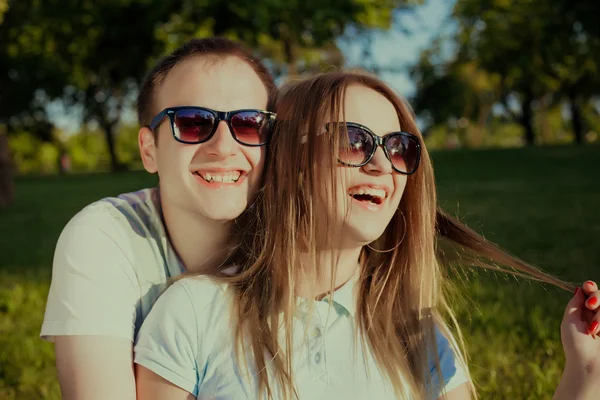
point(316, 345)
point(325, 318)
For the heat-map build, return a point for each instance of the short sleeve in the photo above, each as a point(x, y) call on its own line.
point(167, 343)
point(453, 372)
point(94, 290)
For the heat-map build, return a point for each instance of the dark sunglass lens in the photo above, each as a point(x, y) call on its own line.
point(356, 146)
point(404, 152)
point(251, 127)
point(193, 125)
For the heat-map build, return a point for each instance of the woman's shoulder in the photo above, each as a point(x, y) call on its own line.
point(195, 304)
point(201, 291)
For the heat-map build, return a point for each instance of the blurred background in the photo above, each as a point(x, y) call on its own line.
point(506, 93)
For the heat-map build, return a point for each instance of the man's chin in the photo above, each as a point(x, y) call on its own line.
point(223, 213)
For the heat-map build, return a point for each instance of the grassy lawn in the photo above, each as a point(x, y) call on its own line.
point(542, 204)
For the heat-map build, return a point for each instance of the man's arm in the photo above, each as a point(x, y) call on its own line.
point(91, 310)
point(95, 367)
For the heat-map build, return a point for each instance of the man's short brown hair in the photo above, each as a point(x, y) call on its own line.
point(213, 46)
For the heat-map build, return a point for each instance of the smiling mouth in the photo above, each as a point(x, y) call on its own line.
point(367, 199)
point(219, 177)
point(368, 195)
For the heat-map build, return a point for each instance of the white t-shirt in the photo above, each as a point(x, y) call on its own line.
point(112, 260)
point(187, 339)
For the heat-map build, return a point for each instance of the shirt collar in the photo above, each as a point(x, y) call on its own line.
point(344, 299)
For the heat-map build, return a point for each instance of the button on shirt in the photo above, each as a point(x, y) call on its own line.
point(188, 340)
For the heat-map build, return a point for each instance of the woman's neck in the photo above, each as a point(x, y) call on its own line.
point(346, 264)
point(201, 244)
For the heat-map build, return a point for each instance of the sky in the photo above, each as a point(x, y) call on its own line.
point(399, 48)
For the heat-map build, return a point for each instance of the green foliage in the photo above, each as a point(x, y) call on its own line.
point(458, 91)
point(295, 36)
point(3, 8)
point(539, 203)
point(32, 155)
point(86, 151)
point(524, 57)
point(127, 146)
point(95, 54)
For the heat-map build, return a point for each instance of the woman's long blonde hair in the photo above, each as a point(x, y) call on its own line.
point(401, 292)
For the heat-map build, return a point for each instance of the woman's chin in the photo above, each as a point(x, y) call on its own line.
point(362, 235)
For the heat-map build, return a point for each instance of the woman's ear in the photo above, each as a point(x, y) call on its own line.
point(148, 149)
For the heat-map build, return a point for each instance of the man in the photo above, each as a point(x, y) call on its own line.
point(114, 257)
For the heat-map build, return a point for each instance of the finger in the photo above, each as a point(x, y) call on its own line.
point(594, 327)
point(577, 318)
point(589, 287)
point(575, 306)
point(593, 301)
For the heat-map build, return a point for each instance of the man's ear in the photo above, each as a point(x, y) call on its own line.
point(147, 144)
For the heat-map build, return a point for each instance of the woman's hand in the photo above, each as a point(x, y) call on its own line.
point(592, 303)
point(579, 332)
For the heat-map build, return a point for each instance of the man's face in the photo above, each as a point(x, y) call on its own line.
point(199, 178)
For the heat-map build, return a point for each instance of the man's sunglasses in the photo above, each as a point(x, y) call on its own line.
point(359, 143)
point(193, 125)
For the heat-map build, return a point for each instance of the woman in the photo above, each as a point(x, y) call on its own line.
point(336, 290)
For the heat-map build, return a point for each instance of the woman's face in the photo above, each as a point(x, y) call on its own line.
point(368, 196)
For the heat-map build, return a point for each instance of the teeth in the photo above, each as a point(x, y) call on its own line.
point(380, 193)
point(226, 177)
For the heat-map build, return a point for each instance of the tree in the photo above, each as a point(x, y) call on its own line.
point(528, 56)
point(542, 49)
point(6, 183)
point(94, 54)
point(294, 36)
point(86, 53)
point(107, 46)
point(22, 52)
point(455, 91)
point(508, 38)
point(573, 57)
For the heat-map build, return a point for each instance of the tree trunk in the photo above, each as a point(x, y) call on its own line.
point(7, 193)
point(291, 58)
point(527, 118)
point(544, 129)
point(576, 119)
point(115, 165)
point(478, 131)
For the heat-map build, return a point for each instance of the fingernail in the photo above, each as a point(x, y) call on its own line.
point(576, 291)
point(591, 302)
point(593, 328)
point(591, 283)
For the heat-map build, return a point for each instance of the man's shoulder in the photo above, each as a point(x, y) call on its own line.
point(130, 224)
point(138, 210)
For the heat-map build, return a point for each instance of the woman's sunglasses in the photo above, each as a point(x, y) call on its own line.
point(358, 145)
point(193, 125)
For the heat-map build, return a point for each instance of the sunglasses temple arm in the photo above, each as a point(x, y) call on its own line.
point(157, 120)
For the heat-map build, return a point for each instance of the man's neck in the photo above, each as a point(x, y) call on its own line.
point(200, 243)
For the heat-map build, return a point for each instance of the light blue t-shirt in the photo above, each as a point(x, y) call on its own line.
point(112, 261)
point(187, 339)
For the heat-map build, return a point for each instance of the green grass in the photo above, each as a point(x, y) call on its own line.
point(542, 204)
